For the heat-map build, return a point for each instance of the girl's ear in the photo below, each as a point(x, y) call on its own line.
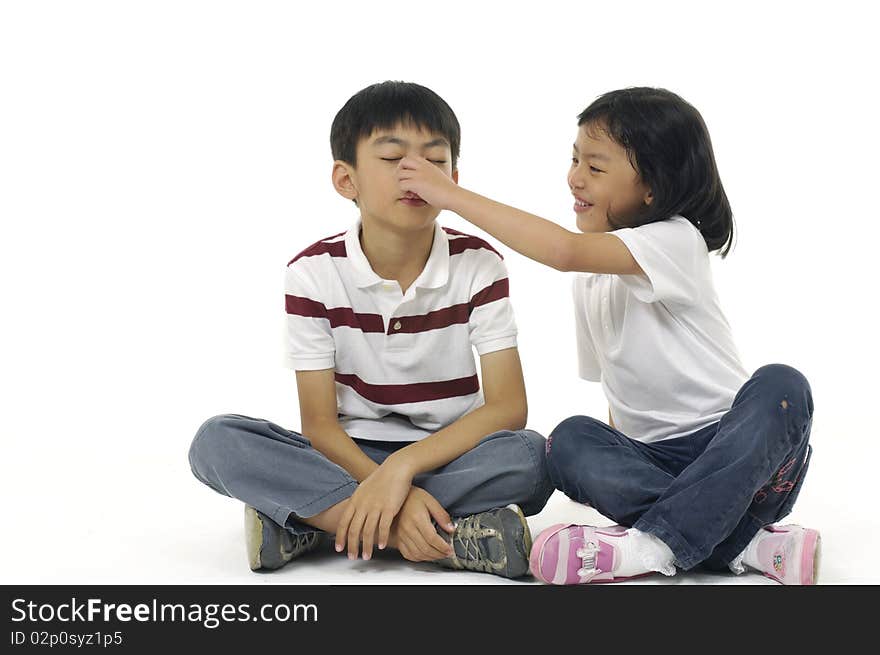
point(343, 180)
point(649, 197)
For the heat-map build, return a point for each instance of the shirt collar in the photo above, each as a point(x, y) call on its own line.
point(434, 275)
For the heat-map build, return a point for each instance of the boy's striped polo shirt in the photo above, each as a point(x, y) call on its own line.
point(404, 363)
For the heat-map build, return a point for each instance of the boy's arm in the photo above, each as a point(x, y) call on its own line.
point(318, 413)
point(379, 498)
point(505, 408)
point(530, 235)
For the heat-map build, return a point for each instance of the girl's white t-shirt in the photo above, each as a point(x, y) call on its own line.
point(658, 343)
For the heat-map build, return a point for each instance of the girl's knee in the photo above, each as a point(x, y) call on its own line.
point(784, 383)
point(573, 435)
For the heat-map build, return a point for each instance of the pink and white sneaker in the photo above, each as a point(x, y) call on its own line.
point(579, 554)
point(786, 553)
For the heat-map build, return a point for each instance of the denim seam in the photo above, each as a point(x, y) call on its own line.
point(316, 501)
point(534, 459)
point(676, 543)
point(730, 552)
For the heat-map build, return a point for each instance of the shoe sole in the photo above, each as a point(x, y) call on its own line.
point(527, 533)
point(527, 537)
point(253, 537)
point(810, 557)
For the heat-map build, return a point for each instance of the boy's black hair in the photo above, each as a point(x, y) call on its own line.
point(386, 104)
point(669, 146)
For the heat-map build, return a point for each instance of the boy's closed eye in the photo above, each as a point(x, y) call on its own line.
point(439, 162)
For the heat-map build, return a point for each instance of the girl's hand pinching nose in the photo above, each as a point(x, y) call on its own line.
point(430, 181)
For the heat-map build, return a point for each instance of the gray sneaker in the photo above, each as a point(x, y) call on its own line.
point(269, 546)
point(497, 541)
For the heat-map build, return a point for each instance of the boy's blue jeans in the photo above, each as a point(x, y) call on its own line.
point(705, 494)
point(278, 472)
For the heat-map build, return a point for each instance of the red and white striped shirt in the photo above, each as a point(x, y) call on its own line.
point(404, 362)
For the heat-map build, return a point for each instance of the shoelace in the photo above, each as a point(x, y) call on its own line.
point(307, 541)
point(301, 543)
point(588, 559)
point(467, 533)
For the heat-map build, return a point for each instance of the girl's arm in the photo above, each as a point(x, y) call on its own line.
point(535, 237)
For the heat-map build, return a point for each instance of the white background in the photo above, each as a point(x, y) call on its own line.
point(160, 162)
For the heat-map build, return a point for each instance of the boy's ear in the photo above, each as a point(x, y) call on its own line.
point(343, 180)
point(455, 176)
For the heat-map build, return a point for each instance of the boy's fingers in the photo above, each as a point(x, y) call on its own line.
point(354, 535)
point(409, 551)
point(342, 527)
point(369, 532)
point(440, 515)
point(384, 530)
point(426, 553)
point(433, 541)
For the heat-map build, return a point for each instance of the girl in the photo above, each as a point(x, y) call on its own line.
point(698, 459)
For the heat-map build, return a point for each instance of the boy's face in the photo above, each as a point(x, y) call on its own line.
point(373, 182)
point(603, 181)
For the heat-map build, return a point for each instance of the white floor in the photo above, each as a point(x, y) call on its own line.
point(150, 522)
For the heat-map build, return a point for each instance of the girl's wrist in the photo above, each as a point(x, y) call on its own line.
point(457, 199)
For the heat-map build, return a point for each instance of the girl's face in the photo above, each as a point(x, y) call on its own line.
point(603, 182)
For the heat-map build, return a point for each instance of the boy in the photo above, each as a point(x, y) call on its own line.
point(381, 322)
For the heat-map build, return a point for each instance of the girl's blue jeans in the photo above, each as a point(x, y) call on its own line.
point(705, 494)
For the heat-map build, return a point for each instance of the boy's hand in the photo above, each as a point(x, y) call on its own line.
point(417, 540)
point(427, 180)
point(373, 507)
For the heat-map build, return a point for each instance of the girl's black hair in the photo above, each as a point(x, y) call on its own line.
point(669, 146)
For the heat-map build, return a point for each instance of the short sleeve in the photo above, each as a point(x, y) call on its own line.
point(492, 324)
point(588, 363)
point(673, 256)
point(309, 344)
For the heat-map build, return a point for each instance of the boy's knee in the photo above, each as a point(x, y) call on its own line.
point(536, 443)
point(211, 438)
point(537, 480)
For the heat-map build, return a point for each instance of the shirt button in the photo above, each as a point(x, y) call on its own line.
point(397, 325)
